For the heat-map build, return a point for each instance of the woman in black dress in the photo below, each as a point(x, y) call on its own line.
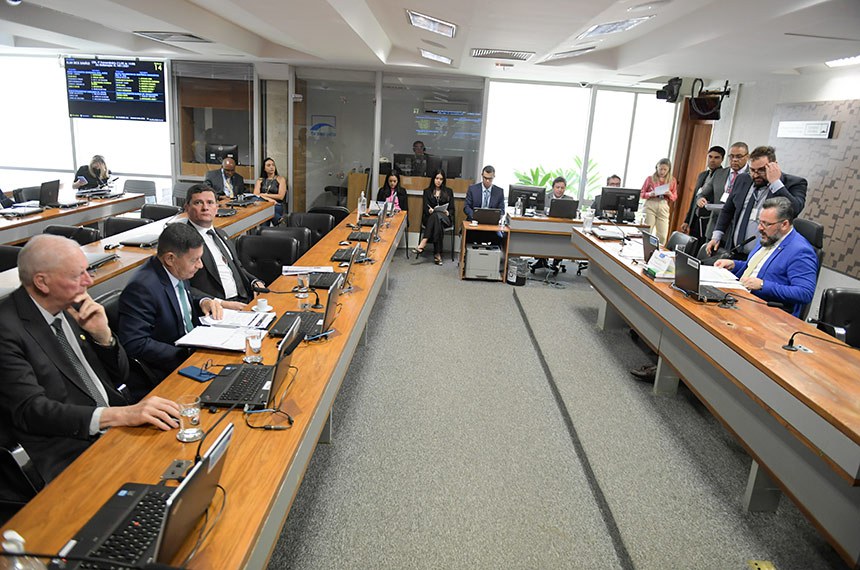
point(93, 175)
point(393, 192)
point(272, 187)
point(437, 214)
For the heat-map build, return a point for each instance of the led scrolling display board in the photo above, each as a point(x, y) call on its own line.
point(115, 89)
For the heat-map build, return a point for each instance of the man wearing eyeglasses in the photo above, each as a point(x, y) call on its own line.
point(783, 267)
point(484, 194)
point(226, 181)
point(738, 220)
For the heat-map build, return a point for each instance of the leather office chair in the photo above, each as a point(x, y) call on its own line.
point(814, 234)
point(319, 224)
point(116, 225)
point(339, 212)
point(26, 194)
point(302, 235)
point(145, 187)
point(158, 211)
point(19, 478)
point(180, 191)
point(688, 243)
point(839, 314)
point(266, 255)
point(9, 256)
point(82, 235)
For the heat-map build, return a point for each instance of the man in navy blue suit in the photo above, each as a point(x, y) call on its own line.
point(157, 307)
point(484, 194)
point(783, 267)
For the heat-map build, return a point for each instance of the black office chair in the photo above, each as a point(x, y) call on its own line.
point(9, 256)
point(82, 235)
point(814, 234)
point(303, 236)
point(158, 211)
point(688, 243)
point(339, 212)
point(319, 224)
point(839, 314)
point(145, 187)
point(266, 255)
point(116, 225)
point(180, 191)
point(19, 478)
point(26, 194)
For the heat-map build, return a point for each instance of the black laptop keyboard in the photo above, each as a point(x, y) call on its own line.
point(247, 384)
point(131, 540)
point(323, 280)
point(711, 293)
point(309, 325)
point(368, 222)
point(359, 236)
point(346, 253)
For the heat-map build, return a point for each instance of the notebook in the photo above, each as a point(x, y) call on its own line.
point(313, 324)
point(364, 236)
point(489, 216)
point(97, 259)
point(49, 193)
point(142, 523)
point(687, 279)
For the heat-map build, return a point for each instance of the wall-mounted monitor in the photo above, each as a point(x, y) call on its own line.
point(216, 153)
point(129, 90)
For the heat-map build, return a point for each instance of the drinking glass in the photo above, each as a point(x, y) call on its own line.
point(304, 285)
point(189, 419)
point(253, 344)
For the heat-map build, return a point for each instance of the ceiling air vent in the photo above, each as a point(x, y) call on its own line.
point(173, 37)
point(502, 54)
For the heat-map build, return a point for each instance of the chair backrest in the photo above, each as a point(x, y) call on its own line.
point(110, 301)
point(26, 194)
point(302, 235)
point(812, 231)
point(840, 307)
point(80, 234)
point(9, 256)
point(339, 212)
point(266, 255)
point(158, 211)
point(116, 225)
point(689, 243)
point(180, 190)
point(146, 187)
point(319, 224)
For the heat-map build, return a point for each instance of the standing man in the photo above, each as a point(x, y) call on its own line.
point(419, 159)
point(484, 194)
point(157, 307)
point(738, 220)
point(697, 217)
point(719, 188)
point(614, 181)
point(226, 181)
point(222, 276)
point(61, 361)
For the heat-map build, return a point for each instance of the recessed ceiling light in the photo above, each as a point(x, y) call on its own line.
point(647, 6)
point(844, 62)
point(613, 27)
point(432, 24)
point(435, 56)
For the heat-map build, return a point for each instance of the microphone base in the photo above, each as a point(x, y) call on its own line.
point(789, 347)
point(317, 306)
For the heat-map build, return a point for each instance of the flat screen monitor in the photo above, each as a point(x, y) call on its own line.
point(452, 166)
point(533, 196)
point(129, 90)
point(623, 201)
point(403, 163)
point(216, 153)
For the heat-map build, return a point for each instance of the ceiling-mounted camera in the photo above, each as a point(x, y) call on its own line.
point(671, 91)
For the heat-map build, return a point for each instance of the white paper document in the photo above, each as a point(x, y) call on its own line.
point(718, 277)
point(302, 269)
point(219, 338)
point(660, 190)
point(233, 319)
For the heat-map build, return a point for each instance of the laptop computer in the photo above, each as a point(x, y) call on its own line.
point(325, 280)
point(563, 209)
point(650, 244)
point(20, 211)
point(365, 236)
point(488, 216)
point(251, 384)
point(49, 193)
point(345, 254)
point(97, 259)
point(369, 221)
point(225, 212)
point(147, 240)
point(313, 324)
point(141, 524)
point(687, 277)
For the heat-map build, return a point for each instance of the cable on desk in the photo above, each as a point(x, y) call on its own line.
point(202, 537)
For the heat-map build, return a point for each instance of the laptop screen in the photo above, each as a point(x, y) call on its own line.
point(331, 304)
point(686, 272)
point(49, 193)
point(285, 356)
point(650, 244)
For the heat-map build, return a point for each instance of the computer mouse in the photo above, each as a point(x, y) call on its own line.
point(344, 243)
point(344, 264)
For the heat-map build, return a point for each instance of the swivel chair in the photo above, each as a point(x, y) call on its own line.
point(116, 225)
point(9, 256)
point(145, 187)
point(26, 194)
point(339, 212)
point(319, 224)
point(814, 234)
point(688, 243)
point(266, 255)
point(158, 211)
point(302, 236)
point(839, 314)
point(82, 235)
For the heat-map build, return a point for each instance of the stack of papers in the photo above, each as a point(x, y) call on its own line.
point(304, 269)
point(718, 277)
point(240, 319)
point(228, 333)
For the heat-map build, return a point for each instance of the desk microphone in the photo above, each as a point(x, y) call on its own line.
point(790, 346)
point(624, 238)
point(776, 304)
point(740, 246)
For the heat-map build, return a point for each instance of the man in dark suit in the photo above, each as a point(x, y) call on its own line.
point(737, 221)
point(60, 363)
point(226, 181)
point(697, 217)
point(718, 189)
point(783, 267)
point(222, 275)
point(157, 307)
point(484, 194)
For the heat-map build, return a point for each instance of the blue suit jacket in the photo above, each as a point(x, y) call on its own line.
point(150, 320)
point(789, 274)
point(475, 195)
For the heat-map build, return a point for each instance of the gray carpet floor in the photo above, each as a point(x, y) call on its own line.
point(488, 426)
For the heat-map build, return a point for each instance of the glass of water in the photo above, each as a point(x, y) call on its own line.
point(587, 220)
point(253, 344)
point(189, 419)
point(304, 285)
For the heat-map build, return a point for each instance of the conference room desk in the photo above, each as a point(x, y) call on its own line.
point(796, 413)
point(263, 469)
point(541, 237)
point(17, 230)
point(117, 273)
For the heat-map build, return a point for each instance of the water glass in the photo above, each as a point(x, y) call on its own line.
point(189, 419)
point(253, 344)
point(304, 285)
point(587, 220)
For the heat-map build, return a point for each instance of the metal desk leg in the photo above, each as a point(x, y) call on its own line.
point(761, 495)
point(666, 380)
point(325, 435)
point(608, 318)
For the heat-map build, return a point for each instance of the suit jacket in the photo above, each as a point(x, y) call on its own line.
point(45, 405)
point(150, 320)
point(475, 196)
point(694, 213)
point(215, 179)
point(207, 283)
point(794, 189)
point(402, 197)
point(789, 274)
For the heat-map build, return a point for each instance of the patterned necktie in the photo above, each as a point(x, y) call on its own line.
point(731, 185)
point(228, 259)
point(485, 203)
point(185, 307)
point(228, 186)
point(77, 366)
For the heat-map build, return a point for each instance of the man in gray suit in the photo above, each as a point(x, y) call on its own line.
point(718, 188)
point(697, 217)
point(226, 181)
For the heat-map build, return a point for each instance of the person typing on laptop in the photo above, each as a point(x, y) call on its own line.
point(484, 194)
point(61, 361)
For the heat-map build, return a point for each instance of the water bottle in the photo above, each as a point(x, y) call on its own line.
point(14, 543)
point(518, 209)
point(362, 206)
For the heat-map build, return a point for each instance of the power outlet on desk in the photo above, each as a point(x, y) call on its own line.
point(176, 470)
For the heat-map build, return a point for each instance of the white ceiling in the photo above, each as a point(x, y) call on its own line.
point(735, 40)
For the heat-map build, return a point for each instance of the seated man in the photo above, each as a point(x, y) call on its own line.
point(484, 194)
point(613, 181)
point(61, 362)
point(157, 307)
point(559, 187)
point(784, 266)
point(222, 275)
point(226, 181)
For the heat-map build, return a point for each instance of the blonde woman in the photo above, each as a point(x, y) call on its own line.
point(658, 191)
point(93, 175)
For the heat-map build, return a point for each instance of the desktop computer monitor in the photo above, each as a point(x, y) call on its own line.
point(216, 153)
point(452, 166)
point(623, 201)
point(403, 163)
point(533, 196)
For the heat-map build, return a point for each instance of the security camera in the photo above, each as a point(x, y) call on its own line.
point(14, 2)
point(583, 83)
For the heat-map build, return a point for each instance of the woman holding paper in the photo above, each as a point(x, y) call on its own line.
point(658, 191)
point(437, 214)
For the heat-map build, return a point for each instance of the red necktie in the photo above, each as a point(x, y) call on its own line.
point(732, 177)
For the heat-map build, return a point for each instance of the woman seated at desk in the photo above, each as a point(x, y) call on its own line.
point(272, 187)
point(393, 192)
point(435, 218)
point(93, 175)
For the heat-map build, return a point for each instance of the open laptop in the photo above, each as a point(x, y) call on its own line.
point(687, 279)
point(345, 254)
point(650, 244)
point(142, 523)
point(563, 209)
point(251, 384)
point(372, 220)
point(488, 216)
point(365, 236)
point(49, 193)
point(313, 324)
point(325, 280)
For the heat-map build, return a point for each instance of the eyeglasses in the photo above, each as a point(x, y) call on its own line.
point(759, 171)
point(737, 156)
point(488, 178)
point(768, 225)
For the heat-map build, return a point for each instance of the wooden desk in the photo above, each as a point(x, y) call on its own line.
point(467, 228)
point(796, 413)
point(263, 469)
point(17, 230)
point(541, 237)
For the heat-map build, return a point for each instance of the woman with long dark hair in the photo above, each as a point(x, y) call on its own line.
point(437, 214)
point(392, 191)
point(272, 187)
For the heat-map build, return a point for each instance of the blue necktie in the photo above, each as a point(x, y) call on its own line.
point(185, 307)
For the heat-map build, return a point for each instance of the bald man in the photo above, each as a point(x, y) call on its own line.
point(226, 181)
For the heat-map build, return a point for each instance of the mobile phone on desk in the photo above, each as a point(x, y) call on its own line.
point(197, 373)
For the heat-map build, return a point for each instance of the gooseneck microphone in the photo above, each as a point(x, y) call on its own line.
point(624, 238)
point(317, 304)
point(740, 246)
point(792, 348)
